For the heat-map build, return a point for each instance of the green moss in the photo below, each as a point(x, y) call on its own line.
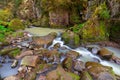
point(4, 32)
point(16, 24)
point(7, 51)
point(16, 34)
point(65, 37)
point(74, 76)
point(104, 12)
point(76, 39)
point(15, 52)
point(5, 15)
point(86, 76)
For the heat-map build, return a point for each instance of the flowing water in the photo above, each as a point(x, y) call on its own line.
point(5, 69)
point(86, 54)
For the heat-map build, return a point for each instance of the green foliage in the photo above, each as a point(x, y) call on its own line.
point(77, 27)
point(5, 15)
point(3, 33)
point(74, 76)
point(104, 12)
point(15, 52)
point(16, 24)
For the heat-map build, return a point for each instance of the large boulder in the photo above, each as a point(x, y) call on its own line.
point(85, 76)
point(78, 65)
point(44, 41)
point(30, 61)
point(97, 71)
point(68, 64)
point(105, 53)
point(61, 74)
point(71, 39)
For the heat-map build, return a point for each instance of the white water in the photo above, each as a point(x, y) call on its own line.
point(88, 56)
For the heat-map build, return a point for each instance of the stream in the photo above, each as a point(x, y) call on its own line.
point(6, 70)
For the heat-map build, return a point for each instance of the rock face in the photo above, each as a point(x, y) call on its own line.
point(59, 18)
point(27, 10)
point(100, 72)
point(30, 61)
point(61, 74)
point(105, 54)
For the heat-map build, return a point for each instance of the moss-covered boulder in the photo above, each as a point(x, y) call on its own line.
point(85, 76)
point(16, 24)
point(97, 71)
point(61, 74)
point(71, 39)
point(105, 54)
point(68, 64)
point(12, 52)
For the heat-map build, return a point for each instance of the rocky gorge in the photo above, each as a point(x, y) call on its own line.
point(59, 40)
point(32, 57)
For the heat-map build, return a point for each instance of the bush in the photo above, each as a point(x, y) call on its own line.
point(16, 24)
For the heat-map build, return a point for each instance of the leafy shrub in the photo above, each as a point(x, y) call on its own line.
point(16, 24)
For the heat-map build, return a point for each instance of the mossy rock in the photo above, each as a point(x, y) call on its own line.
point(86, 76)
point(71, 39)
point(14, 53)
point(61, 74)
point(16, 24)
point(97, 71)
point(67, 63)
point(6, 51)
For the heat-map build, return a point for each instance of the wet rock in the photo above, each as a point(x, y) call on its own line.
point(57, 46)
point(3, 60)
point(85, 76)
point(22, 69)
point(7, 50)
point(53, 56)
point(79, 65)
point(41, 77)
point(71, 39)
point(116, 59)
point(44, 41)
point(72, 54)
point(14, 64)
point(30, 61)
point(61, 74)
point(12, 78)
point(93, 48)
point(105, 76)
point(24, 53)
point(96, 69)
point(105, 53)
point(68, 64)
